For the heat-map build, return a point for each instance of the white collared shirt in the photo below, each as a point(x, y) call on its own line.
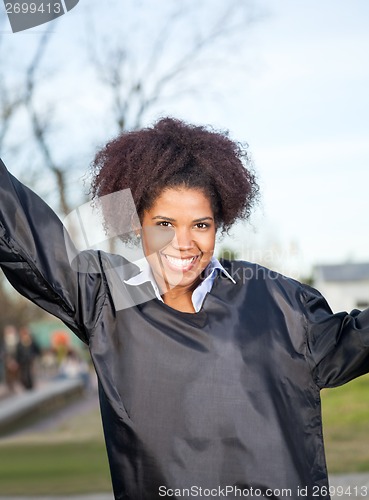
point(198, 295)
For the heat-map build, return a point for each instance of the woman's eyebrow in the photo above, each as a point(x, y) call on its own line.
point(202, 219)
point(163, 217)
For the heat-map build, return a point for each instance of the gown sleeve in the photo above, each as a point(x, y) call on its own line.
point(34, 258)
point(337, 344)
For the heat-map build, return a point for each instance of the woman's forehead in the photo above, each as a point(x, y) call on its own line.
point(182, 200)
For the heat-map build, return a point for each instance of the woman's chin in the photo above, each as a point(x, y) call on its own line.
point(175, 279)
point(170, 279)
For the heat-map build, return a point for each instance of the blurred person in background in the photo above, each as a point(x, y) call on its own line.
point(11, 340)
point(27, 351)
point(61, 345)
point(2, 358)
point(74, 367)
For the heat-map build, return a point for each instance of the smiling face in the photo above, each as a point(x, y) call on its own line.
point(178, 236)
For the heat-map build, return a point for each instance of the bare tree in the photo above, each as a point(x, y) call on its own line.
point(41, 125)
point(135, 89)
point(137, 83)
point(11, 95)
point(20, 94)
point(10, 101)
point(14, 309)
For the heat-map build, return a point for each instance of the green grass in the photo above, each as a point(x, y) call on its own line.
point(72, 458)
point(69, 459)
point(61, 468)
point(346, 426)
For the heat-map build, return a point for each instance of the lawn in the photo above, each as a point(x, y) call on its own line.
point(346, 426)
point(72, 458)
point(61, 468)
point(68, 459)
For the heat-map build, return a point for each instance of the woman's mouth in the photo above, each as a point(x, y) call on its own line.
point(183, 264)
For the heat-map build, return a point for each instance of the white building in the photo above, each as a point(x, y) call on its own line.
point(345, 286)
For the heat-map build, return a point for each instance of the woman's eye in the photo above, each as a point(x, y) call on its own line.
point(202, 225)
point(164, 223)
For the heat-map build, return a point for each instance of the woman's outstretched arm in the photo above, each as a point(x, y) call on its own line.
point(35, 260)
point(337, 344)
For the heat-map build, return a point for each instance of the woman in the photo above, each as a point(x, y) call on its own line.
point(209, 373)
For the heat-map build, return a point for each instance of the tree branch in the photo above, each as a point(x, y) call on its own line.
point(40, 126)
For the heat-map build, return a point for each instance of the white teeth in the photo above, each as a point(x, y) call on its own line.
point(180, 262)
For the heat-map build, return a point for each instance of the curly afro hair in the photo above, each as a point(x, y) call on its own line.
point(175, 154)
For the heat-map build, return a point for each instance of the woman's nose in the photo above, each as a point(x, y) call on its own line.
point(182, 240)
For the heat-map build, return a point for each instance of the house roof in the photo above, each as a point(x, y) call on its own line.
point(342, 272)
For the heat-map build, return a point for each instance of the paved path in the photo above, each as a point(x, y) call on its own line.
point(17, 410)
point(356, 487)
point(356, 484)
point(97, 496)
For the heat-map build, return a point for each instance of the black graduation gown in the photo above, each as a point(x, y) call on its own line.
point(221, 403)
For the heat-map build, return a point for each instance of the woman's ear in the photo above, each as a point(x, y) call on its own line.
point(137, 234)
point(136, 225)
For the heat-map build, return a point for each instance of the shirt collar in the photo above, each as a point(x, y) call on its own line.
point(213, 265)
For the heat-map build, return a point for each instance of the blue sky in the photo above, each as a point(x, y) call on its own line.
point(295, 89)
point(307, 114)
